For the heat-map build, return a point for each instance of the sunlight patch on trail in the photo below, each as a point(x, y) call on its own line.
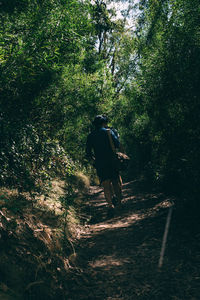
point(108, 261)
point(120, 223)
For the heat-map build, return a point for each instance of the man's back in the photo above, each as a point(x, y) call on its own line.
point(98, 142)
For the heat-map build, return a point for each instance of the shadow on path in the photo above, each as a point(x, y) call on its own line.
point(118, 258)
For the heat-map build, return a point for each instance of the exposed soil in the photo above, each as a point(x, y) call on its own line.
point(118, 258)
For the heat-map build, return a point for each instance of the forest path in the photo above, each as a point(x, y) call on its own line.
point(117, 258)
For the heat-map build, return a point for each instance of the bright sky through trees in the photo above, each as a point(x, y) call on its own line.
point(122, 7)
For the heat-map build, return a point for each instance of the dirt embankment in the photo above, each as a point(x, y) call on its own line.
point(36, 244)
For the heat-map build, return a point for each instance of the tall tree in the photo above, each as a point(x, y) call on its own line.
point(166, 83)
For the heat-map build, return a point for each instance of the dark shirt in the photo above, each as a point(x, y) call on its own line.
point(98, 145)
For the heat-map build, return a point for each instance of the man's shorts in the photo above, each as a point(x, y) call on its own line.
point(105, 171)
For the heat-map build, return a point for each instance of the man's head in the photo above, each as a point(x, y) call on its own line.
point(99, 121)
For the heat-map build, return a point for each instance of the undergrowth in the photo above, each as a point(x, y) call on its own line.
point(38, 237)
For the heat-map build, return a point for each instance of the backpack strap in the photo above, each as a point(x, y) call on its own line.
point(111, 141)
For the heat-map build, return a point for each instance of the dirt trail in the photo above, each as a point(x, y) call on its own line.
point(114, 258)
point(118, 257)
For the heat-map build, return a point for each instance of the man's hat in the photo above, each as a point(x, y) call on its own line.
point(99, 120)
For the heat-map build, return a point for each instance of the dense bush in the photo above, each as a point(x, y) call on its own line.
point(165, 91)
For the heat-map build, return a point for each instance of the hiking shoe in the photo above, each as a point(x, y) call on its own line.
point(119, 204)
point(114, 200)
point(110, 212)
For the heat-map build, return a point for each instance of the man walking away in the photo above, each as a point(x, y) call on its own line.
point(99, 151)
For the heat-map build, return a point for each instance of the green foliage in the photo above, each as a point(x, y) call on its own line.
point(63, 62)
point(166, 87)
point(36, 42)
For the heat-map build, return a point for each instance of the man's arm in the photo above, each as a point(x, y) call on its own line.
point(120, 147)
point(115, 139)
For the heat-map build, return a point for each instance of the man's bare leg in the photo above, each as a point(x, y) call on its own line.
point(108, 192)
point(117, 189)
point(120, 181)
